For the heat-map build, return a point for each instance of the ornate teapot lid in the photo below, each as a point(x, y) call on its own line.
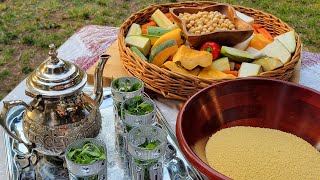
point(55, 78)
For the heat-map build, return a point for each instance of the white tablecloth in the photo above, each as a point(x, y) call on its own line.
point(87, 44)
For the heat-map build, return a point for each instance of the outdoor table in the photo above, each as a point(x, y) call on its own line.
point(84, 48)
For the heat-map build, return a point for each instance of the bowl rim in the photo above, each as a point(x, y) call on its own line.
point(189, 153)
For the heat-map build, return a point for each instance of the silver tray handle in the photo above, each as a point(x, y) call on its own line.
point(7, 105)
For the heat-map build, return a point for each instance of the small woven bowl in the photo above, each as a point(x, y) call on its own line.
point(223, 37)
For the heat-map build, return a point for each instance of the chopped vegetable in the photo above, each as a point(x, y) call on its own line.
point(157, 31)
point(256, 26)
point(237, 66)
point(176, 67)
point(163, 52)
point(212, 48)
point(142, 43)
point(191, 58)
point(235, 73)
point(161, 19)
point(259, 42)
point(134, 30)
point(211, 72)
point(89, 153)
point(168, 15)
point(175, 34)
point(266, 34)
point(139, 53)
point(138, 106)
point(126, 86)
point(144, 30)
point(288, 39)
point(151, 23)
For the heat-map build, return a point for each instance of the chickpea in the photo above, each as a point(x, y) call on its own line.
point(192, 30)
point(214, 25)
point(206, 22)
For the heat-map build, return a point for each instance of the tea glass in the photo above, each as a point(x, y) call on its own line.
point(96, 170)
point(147, 162)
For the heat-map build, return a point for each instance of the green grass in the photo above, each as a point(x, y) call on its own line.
point(28, 27)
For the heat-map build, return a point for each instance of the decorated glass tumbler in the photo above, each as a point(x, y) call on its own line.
point(124, 88)
point(86, 159)
point(138, 111)
point(147, 146)
point(121, 89)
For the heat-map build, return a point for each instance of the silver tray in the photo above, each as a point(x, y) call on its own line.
point(22, 165)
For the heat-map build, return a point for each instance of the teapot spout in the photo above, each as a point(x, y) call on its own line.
point(98, 86)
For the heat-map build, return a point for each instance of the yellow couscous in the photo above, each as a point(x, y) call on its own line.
point(260, 153)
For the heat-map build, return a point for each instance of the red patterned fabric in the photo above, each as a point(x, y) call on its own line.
point(85, 46)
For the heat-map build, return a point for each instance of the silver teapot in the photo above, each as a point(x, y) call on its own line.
point(60, 111)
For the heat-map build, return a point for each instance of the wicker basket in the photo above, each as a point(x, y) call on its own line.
point(179, 86)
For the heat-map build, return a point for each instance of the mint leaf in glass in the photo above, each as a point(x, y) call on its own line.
point(89, 153)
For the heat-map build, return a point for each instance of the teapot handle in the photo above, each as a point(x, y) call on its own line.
point(7, 105)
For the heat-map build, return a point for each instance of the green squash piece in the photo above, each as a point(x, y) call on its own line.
point(142, 43)
point(162, 52)
point(139, 53)
point(236, 55)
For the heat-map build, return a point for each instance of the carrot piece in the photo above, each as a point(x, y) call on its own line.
point(144, 30)
point(264, 32)
point(168, 15)
point(171, 19)
point(237, 66)
point(256, 26)
point(255, 31)
point(235, 73)
point(259, 42)
point(151, 23)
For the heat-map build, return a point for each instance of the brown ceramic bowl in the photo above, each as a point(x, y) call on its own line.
point(223, 37)
point(247, 102)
